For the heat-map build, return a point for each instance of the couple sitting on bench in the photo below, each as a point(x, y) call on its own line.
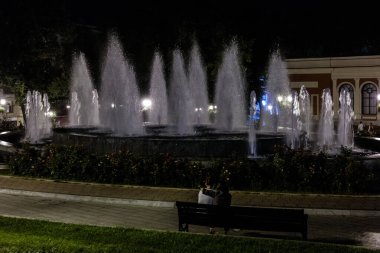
point(220, 196)
point(215, 210)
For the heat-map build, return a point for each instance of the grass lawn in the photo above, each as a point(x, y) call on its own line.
point(21, 235)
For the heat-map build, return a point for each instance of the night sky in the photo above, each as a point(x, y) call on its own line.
point(300, 28)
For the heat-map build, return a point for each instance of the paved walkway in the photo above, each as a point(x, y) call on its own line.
point(153, 208)
point(165, 197)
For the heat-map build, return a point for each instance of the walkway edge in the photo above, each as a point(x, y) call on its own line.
point(168, 204)
point(106, 200)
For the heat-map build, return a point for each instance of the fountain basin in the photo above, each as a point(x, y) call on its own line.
point(369, 143)
point(204, 146)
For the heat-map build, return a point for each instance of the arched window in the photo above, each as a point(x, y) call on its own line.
point(369, 99)
point(350, 89)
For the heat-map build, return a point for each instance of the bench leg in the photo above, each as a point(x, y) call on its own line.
point(183, 227)
point(304, 235)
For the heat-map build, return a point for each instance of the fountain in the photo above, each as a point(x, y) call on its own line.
point(119, 95)
point(305, 117)
point(229, 92)
point(158, 114)
point(346, 114)
point(278, 111)
point(38, 124)
point(252, 130)
point(198, 86)
point(326, 124)
point(178, 123)
point(294, 135)
point(84, 110)
point(181, 105)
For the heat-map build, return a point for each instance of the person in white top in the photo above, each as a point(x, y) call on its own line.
point(203, 198)
point(206, 199)
point(361, 128)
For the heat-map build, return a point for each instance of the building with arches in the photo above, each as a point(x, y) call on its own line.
point(360, 75)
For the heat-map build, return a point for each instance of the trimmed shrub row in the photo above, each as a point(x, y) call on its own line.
point(286, 170)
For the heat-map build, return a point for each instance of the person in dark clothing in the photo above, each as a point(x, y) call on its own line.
point(222, 197)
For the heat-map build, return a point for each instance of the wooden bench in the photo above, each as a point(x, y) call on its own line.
point(240, 217)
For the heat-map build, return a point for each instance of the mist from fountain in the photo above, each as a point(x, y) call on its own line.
point(230, 92)
point(326, 131)
point(279, 96)
point(198, 86)
point(84, 108)
point(119, 94)
point(158, 114)
point(38, 123)
point(181, 105)
point(346, 114)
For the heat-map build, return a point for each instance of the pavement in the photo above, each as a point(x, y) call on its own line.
point(320, 204)
point(341, 219)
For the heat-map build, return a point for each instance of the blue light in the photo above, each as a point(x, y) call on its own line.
point(264, 102)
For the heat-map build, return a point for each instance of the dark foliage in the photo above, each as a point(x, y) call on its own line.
point(287, 170)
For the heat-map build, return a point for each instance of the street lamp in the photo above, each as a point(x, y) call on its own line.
point(198, 111)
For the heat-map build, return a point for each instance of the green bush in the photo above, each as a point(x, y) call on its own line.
point(285, 170)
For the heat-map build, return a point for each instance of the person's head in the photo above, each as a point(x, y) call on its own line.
point(361, 122)
point(206, 183)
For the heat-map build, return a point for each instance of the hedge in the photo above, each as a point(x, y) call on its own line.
point(286, 170)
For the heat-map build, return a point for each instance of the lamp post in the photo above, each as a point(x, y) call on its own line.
point(198, 111)
point(212, 109)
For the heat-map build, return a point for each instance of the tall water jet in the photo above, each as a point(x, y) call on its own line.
point(38, 123)
point(346, 114)
point(296, 125)
point(326, 123)
point(74, 114)
point(158, 114)
point(279, 98)
point(229, 92)
point(182, 108)
point(119, 95)
point(305, 116)
point(84, 110)
point(251, 129)
point(198, 86)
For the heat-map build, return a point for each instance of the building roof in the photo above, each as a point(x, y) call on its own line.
point(338, 67)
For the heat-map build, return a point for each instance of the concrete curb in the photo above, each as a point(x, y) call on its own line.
point(90, 198)
point(337, 212)
point(168, 204)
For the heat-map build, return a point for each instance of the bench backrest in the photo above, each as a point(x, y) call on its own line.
point(278, 219)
